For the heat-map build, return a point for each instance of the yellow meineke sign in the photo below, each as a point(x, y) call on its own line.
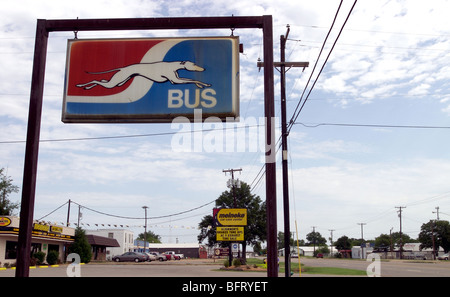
point(230, 234)
point(231, 217)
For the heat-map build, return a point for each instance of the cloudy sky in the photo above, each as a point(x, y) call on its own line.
point(373, 134)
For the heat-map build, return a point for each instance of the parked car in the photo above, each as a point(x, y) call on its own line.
point(168, 256)
point(174, 256)
point(443, 257)
point(159, 257)
point(130, 256)
point(151, 257)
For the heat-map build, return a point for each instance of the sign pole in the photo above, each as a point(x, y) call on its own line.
point(44, 27)
point(31, 151)
point(269, 112)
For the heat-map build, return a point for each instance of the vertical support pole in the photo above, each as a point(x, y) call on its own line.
point(269, 113)
point(287, 227)
point(31, 151)
point(68, 215)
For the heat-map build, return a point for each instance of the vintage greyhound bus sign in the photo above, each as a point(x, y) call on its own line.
point(151, 80)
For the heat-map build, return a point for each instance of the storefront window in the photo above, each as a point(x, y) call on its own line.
point(11, 250)
point(35, 247)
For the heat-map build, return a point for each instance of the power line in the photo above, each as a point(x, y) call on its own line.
point(297, 113)
point(148, 218)
point(127, 217)
point(131, 135)
point(307, 125)
point(317, 60)
point(53, 211)
point(315, 125)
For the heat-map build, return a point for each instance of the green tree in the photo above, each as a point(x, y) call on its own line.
point(399, 239)
point(81, 246)
point(343, 243)
point(6, 188)
point(254, 232)
point(208, 231)
point(280, 240)
point(151, 237)
point(383, 242)
point(315, 238)
point(440, 230)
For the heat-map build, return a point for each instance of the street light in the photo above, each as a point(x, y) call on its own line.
point(145, 226)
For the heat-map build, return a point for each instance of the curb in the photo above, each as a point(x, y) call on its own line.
point(35, 267)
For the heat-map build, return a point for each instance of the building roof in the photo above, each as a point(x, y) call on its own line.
point(102, 241)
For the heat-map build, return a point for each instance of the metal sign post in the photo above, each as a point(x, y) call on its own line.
point(44, 27)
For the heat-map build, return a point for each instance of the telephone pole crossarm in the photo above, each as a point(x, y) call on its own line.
point(286, 64)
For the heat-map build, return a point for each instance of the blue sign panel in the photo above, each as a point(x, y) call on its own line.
point(151, 80)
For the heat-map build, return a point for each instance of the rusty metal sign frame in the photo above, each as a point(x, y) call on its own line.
point(44, 27)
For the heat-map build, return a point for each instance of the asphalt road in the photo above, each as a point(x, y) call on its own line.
point(389, 268)
point(208, 268)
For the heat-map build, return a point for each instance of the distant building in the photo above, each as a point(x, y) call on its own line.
point(125, 239)
point(99, 245)
point(189, 250)
point(303, 251)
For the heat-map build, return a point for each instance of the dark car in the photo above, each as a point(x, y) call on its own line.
point(130, 256)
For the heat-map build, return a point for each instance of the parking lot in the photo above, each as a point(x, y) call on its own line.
point(211, 268)
point(182, 268)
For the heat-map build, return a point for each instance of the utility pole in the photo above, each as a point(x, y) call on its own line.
point(68, 215)
point(314, 240)
point(437, 212)
point(284, 134)
point(362, 239)
point(390, 239)
point(232, 181)
point(331, 240)
point(232, 185)
point(401, 239)
point(145, 226)
point(79, 215)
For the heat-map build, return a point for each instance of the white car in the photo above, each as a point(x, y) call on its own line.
point(151, 257)
point(443, 257)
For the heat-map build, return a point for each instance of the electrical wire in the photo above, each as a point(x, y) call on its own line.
point(297, 113)
point(131, 136)
point(313, 125)
point(142, 218)
point(315, 64)
point(53, 211)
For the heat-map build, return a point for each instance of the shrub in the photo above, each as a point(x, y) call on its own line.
point(40, 256)
point(52, 257)
point(236, 262)
point(226, 263)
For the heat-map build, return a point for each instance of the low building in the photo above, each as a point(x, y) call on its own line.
point(124, 237)
point(189, 250)
point(99, 245)
point(303, 251)
point(45, 237)
point(413, 251)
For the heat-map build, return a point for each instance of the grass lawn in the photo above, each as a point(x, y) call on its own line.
point(312, 270)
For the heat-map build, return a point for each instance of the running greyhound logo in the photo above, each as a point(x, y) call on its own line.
point(150, 79)
point(159, 72)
